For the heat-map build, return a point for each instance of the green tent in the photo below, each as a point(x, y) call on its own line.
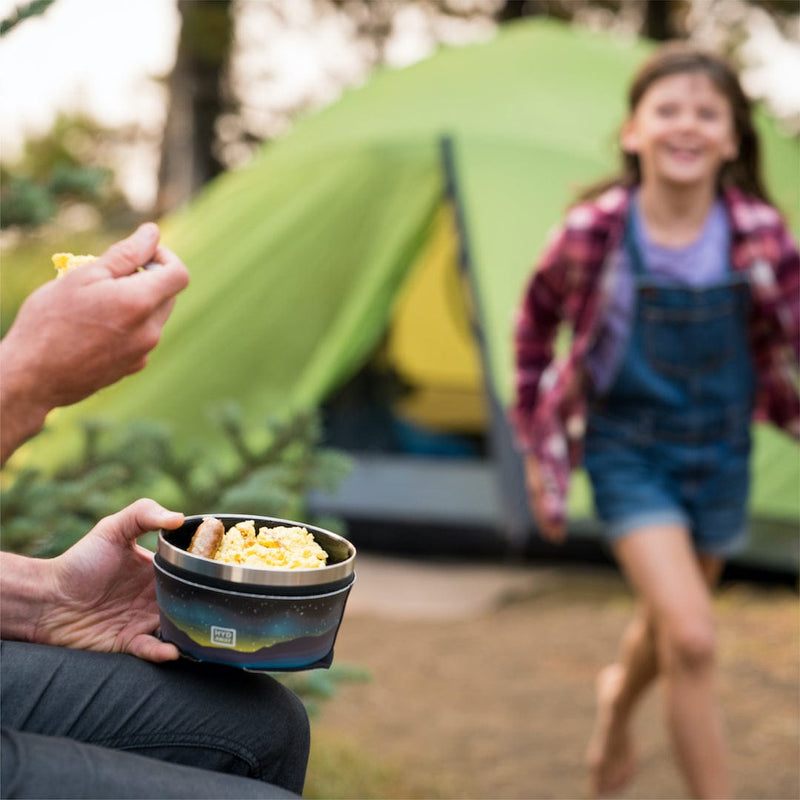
point(342, 238)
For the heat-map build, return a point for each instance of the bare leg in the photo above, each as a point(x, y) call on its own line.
point(611, 756)
point(673, 584)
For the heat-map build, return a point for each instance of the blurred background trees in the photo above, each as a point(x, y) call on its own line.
point(199, 96)
point(68, 167)
point(245, 70)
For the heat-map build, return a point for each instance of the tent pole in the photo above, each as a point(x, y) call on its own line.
point(517, 522)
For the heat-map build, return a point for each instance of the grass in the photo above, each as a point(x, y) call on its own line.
point(339, 770)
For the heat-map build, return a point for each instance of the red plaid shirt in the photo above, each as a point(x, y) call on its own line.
point(572, 286)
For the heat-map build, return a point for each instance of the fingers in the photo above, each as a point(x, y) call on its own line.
point(549, 529)
point(165, 282)
point(161, 314)
point(149, 648)
point(126, 256)
point(156, 286)
point(554, 532)
point(137, 519)
point(549, 526)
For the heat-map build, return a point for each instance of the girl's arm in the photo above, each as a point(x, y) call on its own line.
point(775, 332)
point(787, 275)
point(537, 325)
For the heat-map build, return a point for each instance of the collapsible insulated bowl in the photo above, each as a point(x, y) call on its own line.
point(264, 619)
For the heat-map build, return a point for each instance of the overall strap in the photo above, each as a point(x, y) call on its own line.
point(632, 248)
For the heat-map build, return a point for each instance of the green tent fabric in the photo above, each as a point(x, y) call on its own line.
point(297, 260)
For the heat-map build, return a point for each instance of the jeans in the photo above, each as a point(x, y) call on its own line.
point(102, 725)
point(650, 468)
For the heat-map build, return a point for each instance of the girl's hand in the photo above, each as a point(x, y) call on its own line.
point(102, 590)
point(551, 527)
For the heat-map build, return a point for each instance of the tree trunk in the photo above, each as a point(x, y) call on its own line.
point(196, 100)
point(658, 22)
point(517, 9)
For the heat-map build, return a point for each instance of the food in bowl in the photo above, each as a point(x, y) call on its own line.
point(287, 547)
point(252, 617)
point(207, 538)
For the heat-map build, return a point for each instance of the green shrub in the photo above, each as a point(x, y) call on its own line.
point(43, 514)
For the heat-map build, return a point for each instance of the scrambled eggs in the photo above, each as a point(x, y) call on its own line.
point(66, 262)
point(291, 548)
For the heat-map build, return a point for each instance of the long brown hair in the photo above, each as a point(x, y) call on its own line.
point(680, 57)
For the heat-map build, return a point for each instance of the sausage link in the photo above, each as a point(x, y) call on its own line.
point(207, 538)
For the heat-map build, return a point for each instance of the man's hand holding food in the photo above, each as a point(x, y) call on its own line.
point(85, 330)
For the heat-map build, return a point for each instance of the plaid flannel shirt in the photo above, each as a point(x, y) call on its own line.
point(572, 287)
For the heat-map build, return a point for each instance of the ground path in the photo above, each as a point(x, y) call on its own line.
point(482, 680)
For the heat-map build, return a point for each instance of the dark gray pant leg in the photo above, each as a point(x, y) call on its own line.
point(35, 766)
point(214, 718)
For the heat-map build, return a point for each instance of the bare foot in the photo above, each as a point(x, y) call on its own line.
point(610, 756)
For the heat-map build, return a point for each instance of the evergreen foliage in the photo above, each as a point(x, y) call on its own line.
point(73, 162)
point(269, 473)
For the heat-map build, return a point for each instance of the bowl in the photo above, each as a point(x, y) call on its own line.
point(255, 618)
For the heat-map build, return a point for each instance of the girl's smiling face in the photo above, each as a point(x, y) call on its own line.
point(682, 131)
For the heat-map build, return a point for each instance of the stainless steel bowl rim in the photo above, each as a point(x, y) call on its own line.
point(257, 576)
point(258, 597)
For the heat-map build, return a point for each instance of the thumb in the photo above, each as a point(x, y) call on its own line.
point(137, 519)
point(126, 256)
point(149, 648)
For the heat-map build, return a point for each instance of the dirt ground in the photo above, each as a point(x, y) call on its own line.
point(482, 681)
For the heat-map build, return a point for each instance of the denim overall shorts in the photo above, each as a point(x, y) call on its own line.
point(669, 442)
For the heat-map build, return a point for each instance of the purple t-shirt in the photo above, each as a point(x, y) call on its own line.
point(701, 263)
